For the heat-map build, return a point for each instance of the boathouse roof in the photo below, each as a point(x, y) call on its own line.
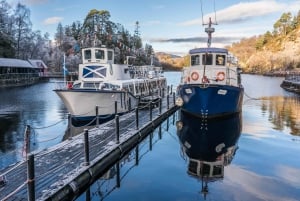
point(209, 50)
point(37, 63)
point(16, 63)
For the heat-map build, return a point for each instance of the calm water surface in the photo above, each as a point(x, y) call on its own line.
point(261, 147)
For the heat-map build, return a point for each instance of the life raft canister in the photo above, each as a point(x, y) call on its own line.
point(195, 76)
point(220, 76)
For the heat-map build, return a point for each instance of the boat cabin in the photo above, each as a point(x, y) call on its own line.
point(208, 56)
point(97, 55)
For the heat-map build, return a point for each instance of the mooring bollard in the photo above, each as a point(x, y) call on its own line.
point(171, 89)
point(86, 147)
point(137, 118)
point(117, 129)
point(30, 178)
point(97, 115)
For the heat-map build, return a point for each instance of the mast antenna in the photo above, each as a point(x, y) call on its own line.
point(209, 30)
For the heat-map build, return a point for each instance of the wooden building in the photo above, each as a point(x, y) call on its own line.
point(17, 72)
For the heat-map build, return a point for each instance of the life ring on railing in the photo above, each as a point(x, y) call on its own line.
point(195, 76)
point(220, 76)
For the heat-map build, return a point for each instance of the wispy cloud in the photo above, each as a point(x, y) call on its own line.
point(241, 12)
point(34, 2)
point(224, 40)
point(52, 20)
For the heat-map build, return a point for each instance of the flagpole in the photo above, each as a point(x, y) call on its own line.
point(64, 68)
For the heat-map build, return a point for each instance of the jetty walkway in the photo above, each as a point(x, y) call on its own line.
point(66, 170)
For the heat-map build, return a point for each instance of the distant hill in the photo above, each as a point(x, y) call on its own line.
point(278, 50)
point(170, 61)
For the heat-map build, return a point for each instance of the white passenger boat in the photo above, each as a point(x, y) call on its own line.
point(113, 88)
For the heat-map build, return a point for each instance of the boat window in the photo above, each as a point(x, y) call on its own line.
point(220, 59)
point(207, 59)
point(109, 55)
point(91, 85)
point(195, 60)
point(99, 54)
point(87, 54)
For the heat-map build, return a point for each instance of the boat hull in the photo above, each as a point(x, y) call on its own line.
point(210, 101)
point(81, 104)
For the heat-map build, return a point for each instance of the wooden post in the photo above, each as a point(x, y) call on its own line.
point(168, 101)
point(173, 98)
point(69, 131)
point(150, 110)
point(30, 178)
point(116, 107)
point(160, 106)
point(137, 118)
point(129, 104)
point(86, 147)
point(26, 141)
point(117, 129)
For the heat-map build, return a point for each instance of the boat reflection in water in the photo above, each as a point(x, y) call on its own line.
point(209, 145)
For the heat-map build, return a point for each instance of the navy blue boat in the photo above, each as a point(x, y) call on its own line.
point(211, 86)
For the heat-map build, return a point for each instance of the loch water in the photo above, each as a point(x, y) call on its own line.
point(260, 147)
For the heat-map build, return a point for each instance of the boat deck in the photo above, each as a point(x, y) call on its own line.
point(62, 171)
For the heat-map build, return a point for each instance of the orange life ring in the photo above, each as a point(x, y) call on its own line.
point(195, 76)
point(220, 76)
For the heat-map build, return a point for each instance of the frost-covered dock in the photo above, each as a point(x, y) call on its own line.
point(67, 169)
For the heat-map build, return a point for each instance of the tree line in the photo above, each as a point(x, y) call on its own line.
point(275, 50)
point(18, 40)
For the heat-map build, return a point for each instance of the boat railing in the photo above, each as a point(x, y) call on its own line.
point(293, 77)
point(16, 76)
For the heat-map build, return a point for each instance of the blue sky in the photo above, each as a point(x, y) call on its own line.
point(172, 26)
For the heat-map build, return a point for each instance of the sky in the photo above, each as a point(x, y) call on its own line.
point(171, 26)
